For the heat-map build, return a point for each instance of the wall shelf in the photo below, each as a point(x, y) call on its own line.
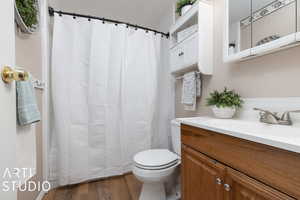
point(182, 21)
point(197, 48)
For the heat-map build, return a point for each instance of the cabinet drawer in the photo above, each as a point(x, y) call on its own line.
point(277, 168)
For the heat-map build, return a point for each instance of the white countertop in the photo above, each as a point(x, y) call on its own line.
point(283, 137)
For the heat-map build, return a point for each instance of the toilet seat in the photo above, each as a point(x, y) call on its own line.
point(157, 167)
point(156, 159)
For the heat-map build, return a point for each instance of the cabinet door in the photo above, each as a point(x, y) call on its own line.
point(202, 178)
point(241, 187)
point(177, 58)
point(191, 50)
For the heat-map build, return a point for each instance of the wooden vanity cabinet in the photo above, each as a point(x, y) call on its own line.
point(207, 176)
point(202, 176)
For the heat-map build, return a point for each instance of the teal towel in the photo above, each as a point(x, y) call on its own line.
point(27, 109)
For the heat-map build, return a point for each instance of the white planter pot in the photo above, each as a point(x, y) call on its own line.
point(224, 113)
point(185, 9)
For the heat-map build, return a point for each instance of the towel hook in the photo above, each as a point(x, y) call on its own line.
point(8, 74)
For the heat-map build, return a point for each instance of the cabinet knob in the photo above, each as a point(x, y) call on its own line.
point(227, 187)
point(219, 181)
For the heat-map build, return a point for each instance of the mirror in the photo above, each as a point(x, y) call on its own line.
point(272, 20)
point(258, 27)
point(239, 26)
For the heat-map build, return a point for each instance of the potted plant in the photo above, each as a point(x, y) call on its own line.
point(225, 103)
point(26, 13)
point(183, 6)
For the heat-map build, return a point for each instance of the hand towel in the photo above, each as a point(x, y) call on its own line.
point(189, 91)
point(27, 109)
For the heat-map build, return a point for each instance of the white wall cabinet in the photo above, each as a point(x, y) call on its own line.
point(258, 27)
point(197, 49)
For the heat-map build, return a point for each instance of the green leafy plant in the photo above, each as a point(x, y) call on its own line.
point(226, 98)
point(28, 12)
point(181, 3)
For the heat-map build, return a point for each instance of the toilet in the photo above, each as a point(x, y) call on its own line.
point(153, 167)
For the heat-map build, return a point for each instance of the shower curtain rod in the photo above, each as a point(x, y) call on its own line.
point(52, 11)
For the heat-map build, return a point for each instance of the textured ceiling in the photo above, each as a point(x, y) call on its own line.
point(142, 12)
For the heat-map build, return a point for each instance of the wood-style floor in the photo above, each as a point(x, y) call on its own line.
point(125, 187)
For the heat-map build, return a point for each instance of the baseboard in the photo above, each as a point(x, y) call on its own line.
point(41, 195)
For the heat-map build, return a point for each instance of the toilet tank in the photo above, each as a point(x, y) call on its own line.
point(175, 132)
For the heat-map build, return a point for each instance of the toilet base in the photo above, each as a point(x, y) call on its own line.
point(151, 191)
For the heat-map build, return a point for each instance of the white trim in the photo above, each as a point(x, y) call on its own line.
point(273, 45)
point(41, 195)
point(237, 56)
point(45, 65)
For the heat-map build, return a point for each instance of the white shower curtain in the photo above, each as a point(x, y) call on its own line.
point(104, 97)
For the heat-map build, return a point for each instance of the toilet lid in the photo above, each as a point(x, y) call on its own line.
point(156, 158)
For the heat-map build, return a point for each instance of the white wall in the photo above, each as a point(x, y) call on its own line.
point(28, 56)
point(142, 12)
point(166, 103)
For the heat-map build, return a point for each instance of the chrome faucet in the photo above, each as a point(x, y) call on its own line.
point(273, 118)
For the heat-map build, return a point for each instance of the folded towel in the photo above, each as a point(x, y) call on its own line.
point(27, 109)
point(189, 91)
point(189, 88)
